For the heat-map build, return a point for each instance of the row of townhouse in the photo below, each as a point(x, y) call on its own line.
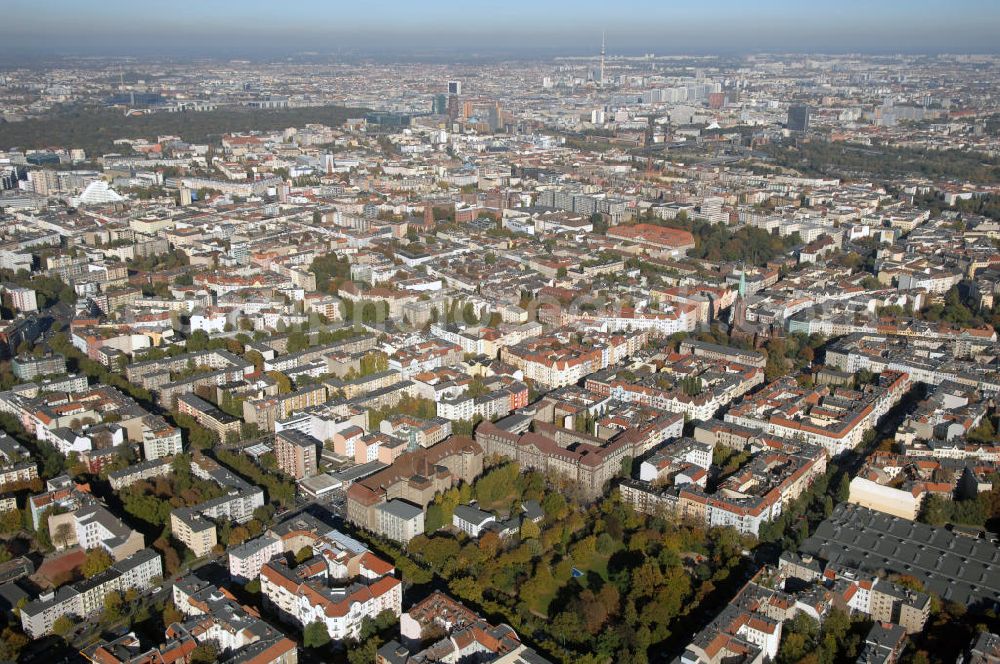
point(749, 629)
point(208, 415)
point(142, 373)
point(424, 356)
point(496, 404)
point(555, 361)
point(720, 385)
point(359, 344)
point(673, 318)
point(835, 420)
point(464, 636)
point(860, 591)
point(485, 340)
point(144, 470)
point(264, 412)
point(925, 361)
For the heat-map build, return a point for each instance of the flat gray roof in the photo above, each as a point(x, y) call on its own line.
point(957, 567)
point(401, 509)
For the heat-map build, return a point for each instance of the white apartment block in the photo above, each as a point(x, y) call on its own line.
point(323, 598)
point(159, 439)
point(247, 559)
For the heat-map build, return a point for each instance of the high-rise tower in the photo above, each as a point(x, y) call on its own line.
point(601, 74)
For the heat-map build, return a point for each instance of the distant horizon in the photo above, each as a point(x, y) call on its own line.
point(384, 28)
point(443, 56)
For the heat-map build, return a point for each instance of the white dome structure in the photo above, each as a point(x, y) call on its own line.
point(97, 193)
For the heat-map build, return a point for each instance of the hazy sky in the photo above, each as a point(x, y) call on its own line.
point(256, 27)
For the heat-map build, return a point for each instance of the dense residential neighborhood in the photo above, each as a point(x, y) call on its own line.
point(589, 359)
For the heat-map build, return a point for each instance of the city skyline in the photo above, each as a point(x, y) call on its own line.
point(389, 27)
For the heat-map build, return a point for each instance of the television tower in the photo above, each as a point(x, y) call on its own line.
point(601, 74)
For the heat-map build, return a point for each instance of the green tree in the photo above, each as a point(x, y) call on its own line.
point(13, 641)
point(112, 607)
point(62, 626)
point(315, 635)
point(776, 366)
point(434, 519)
point(554, 506)
point(284, 383)
point(984, 432)
point(366, 652)
point(97, 561)
point(198, 341)
point(529, 530)
point(255, 358)
point(844, 488)
point(171, 614)
point(205, 653)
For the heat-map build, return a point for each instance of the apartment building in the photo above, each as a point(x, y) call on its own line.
point(20, 299)
point(247, 559)
point(85, 598)
point(159, 439)
point(756, 494)
point(588, 461)
point(416, 476)
point(424, 356)
point(507, 396)
point(60, 492)
point(144, 470)
point(694, 386)
point(212, 615)
point(666, 320)
point(892, 603)
point(925, 360)
point(835, 419)
point(857, 590)
point(399, 520)
point(92, 527)
point(557, 360)
point(725, 353)
point(29, 367)
point(195, 525)
point(16, 464)
point(482, 340)
point(315, 591)
point(464, 636)
point(748, 629)
point(208, 415)
point(416, 431)
point(193, 530)
point(297, 453)
point(266, 411)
